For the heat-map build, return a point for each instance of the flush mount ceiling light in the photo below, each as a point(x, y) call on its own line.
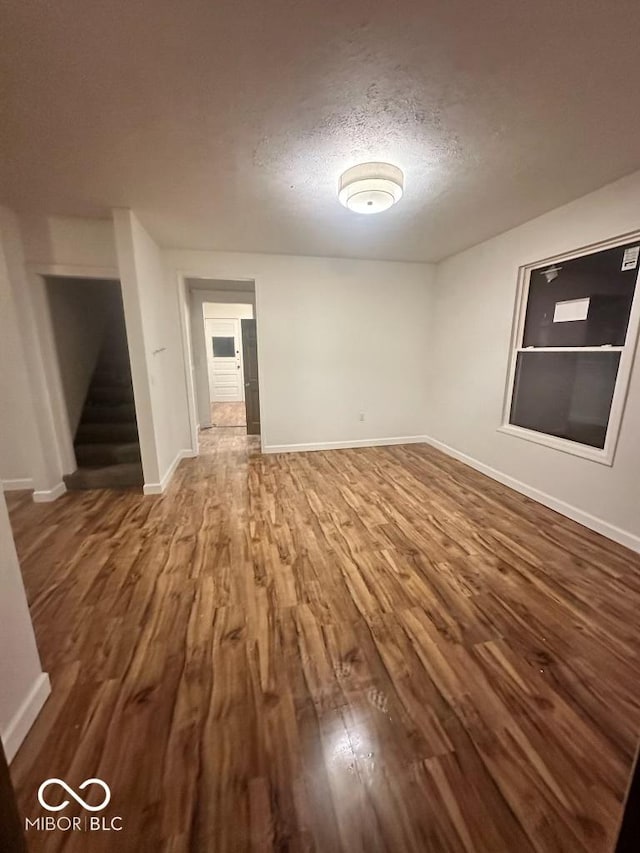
point(371, 187)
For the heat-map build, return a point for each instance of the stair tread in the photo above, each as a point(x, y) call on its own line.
point(117, 444)
point(121, 475)
point(118, 466)
point(105, 412)
point(119, 392)
point(95, 453)
point(106, 433)
point(103, 425)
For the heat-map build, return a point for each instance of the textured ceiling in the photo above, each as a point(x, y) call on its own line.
point(226, 123)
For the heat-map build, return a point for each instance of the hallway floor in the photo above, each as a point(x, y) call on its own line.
point(228, 414)
point(362, 650)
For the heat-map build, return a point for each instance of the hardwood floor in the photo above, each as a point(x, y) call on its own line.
point(228, 415)
point(361, 650)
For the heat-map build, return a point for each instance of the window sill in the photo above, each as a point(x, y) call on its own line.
point(594, 454)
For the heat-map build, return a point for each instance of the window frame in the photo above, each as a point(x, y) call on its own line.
point(234, 352)
point(627, 352)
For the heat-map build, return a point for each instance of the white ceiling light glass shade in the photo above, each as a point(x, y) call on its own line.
point(371, 187)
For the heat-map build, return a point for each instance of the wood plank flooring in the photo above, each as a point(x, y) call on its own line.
point(362, 650)
point(228, 415)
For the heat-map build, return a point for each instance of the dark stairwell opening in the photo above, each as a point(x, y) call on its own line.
point(106, 442)
point(91, 340)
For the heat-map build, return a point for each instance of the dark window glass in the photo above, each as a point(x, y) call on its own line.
point(567, 394)
point(223, 347)
point(596, 289)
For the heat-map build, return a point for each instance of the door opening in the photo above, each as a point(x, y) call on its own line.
point(250, 361)
point(224, 367)
point(224, 356)
point(92, 372)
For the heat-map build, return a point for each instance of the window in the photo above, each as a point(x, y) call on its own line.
point(575, 334)
point(223, 347)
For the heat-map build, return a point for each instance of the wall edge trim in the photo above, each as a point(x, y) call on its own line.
point(599, 525)
point(25, 716)
point(46, 495)
point(159, 488)
point(17, 484)
point(344, 445)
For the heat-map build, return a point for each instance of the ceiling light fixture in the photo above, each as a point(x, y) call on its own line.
point(371, 187)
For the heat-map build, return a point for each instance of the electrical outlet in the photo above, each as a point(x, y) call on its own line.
point(361, 416)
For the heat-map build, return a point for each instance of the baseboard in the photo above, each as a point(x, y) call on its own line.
point(344, 445)
point(159, 488)
point(623, 537)
point(44, 496)
point(17, 485)
point(26, 715)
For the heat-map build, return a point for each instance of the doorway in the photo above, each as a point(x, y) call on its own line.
point(225, 368)
point(90, 371)
point(224, 357)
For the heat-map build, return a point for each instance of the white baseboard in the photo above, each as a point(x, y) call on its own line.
point(17, 485)
point(26, 715)
point(344, 445)
point(625, 538)
point(44, 496)
point(159, 488)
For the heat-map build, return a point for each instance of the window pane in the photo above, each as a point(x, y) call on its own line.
point(223, 347)
point(582, 302)
point(566, 394)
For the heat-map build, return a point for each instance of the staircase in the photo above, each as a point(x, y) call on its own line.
point(106, 442)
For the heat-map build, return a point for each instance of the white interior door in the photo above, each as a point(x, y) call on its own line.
point(224, 360)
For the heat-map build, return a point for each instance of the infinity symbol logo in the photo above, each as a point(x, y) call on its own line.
point(72, 793)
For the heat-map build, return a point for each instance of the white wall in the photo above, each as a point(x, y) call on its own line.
point(340, 337)
point(335, 338)
point(29, 432)
point(17, 426)
point(69, 241)
point(75, 247)
point(230, 311)
point(23, 686)
point(152, 316)
point(35, 445)
point(471, 328)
